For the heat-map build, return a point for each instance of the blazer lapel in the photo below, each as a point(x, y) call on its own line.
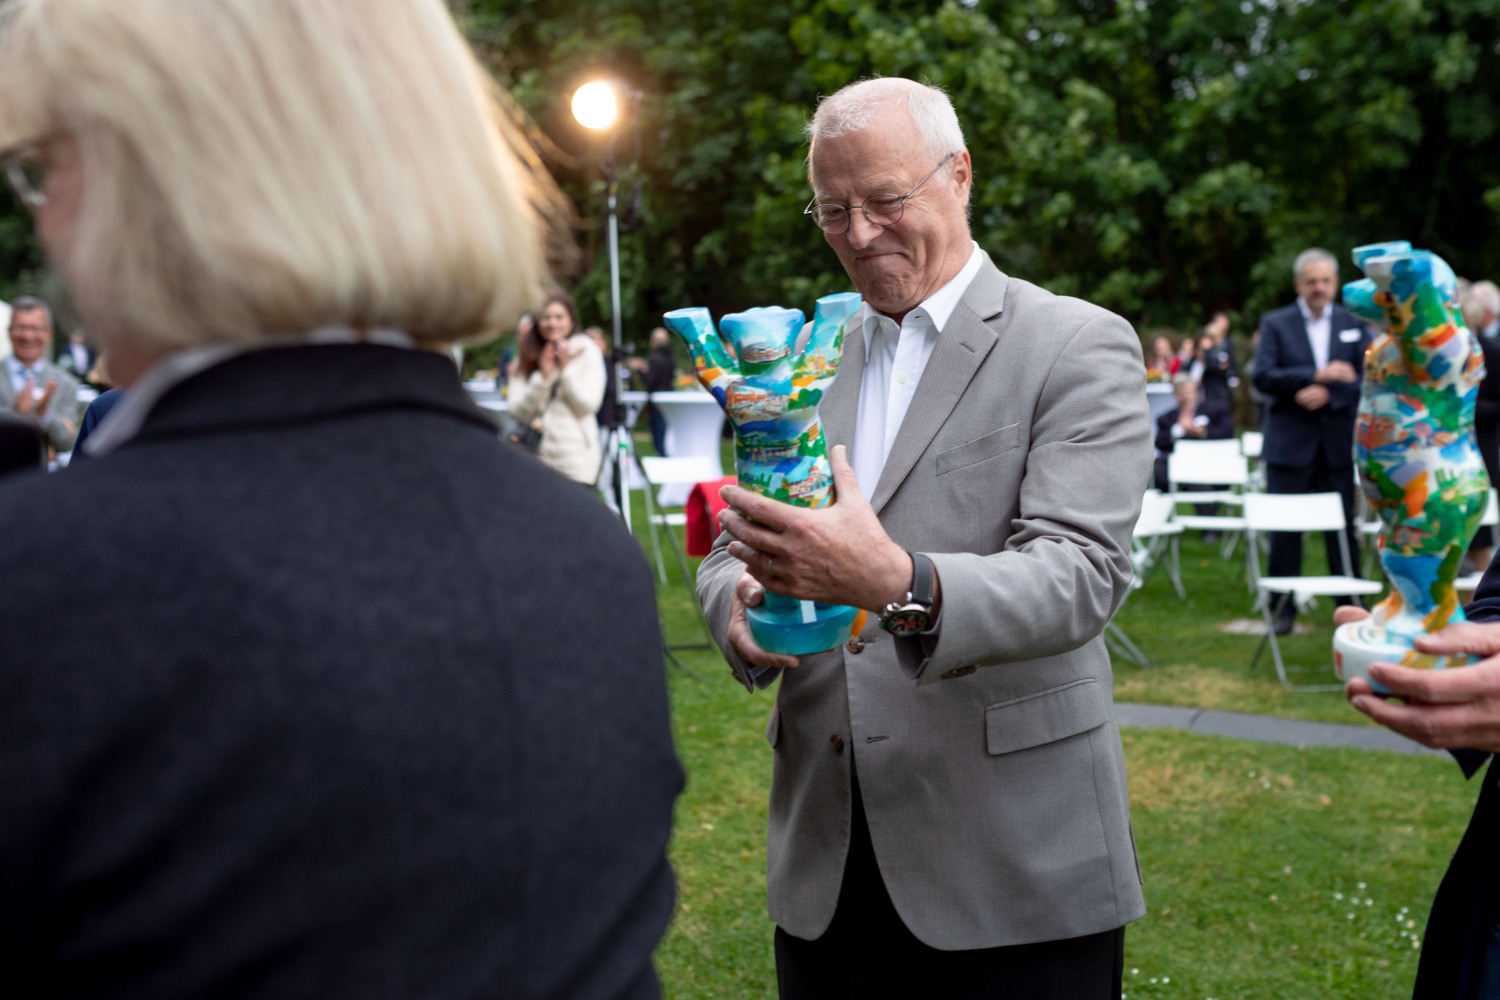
point(840, 407)
point(961, 348)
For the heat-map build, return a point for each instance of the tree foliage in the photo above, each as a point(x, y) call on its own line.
point(1161, 157)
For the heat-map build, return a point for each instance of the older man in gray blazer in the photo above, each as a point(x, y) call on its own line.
point(948, 809)
point(32, 386)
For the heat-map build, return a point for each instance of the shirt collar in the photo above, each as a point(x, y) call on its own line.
point(1306, 311)
point(937, 307)
point(129, 415)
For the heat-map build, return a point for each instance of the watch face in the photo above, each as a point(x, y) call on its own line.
point(905, 621)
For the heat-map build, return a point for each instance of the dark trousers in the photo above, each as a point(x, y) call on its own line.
point(658, 430)
point(1461, 950)
point(868, 954)
point(1286, 546)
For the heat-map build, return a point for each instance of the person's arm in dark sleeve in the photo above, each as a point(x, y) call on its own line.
point(1220, 424)
point(1164, 439)
point(1274, 374)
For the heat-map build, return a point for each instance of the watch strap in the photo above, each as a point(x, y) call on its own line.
point(921, 580)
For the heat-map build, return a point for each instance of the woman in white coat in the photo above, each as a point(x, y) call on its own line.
point(565, 385)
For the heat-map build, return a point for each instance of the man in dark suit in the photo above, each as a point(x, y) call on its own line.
point(1309, 364)
point(1205, 421)
point(1481, 311)
point(1457, 711)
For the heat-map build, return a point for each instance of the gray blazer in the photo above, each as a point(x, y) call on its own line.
point(989, 760)
point(61, 421)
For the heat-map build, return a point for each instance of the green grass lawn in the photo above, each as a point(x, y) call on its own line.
point(1271, 872)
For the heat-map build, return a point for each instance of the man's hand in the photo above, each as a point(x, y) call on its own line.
point(837, 555)
point(747, 594)
point(1312, 397)
point(1336, 371)
point(28, 402)
point(1445, 709)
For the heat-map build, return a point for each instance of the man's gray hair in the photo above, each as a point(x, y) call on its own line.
point(854, 107)
point(1482, 299)
point(28, 303)
point(1311, 255)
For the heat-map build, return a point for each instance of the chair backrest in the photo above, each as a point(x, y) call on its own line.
point(1251, 444)
point(1207, 463)
point(1294, 511)
point(1300, 512)
point(688, 469)
point(1156, 513)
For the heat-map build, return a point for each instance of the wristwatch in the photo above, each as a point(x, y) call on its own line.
point(914, 615)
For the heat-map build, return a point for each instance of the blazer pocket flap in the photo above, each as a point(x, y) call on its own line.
point(992, 444)
point(773, 728)
point(1044, 717)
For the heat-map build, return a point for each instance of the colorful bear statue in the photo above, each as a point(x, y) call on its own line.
point(1418, 463)
point(770, 389)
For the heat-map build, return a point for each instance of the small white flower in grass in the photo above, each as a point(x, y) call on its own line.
point(1165, 980)
point(1369, 902)
point(1409, 923)
point(1287, 870)
point(1360, 886)
point(1135, 972)
point(1338, 895)
point(1349, 915)
point(1252, 774)
point(1416, 944)
point(1273, 897)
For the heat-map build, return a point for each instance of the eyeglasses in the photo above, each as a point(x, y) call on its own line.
point(25, 171)
point(883, 210)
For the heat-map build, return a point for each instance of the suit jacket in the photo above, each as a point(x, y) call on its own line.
point(989, 760)
point(307, 738)
point(1487, 409)
point(61, 419)
point(1219, 426)
point(1284, 364)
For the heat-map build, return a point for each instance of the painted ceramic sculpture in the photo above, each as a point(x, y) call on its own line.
point(1418, 462)
point(771, 395)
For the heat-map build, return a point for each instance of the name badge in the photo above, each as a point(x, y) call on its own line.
point(1350, 335)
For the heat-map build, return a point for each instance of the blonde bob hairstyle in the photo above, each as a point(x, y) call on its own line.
point(260, 168)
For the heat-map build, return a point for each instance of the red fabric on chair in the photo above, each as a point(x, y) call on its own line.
point(702, 509)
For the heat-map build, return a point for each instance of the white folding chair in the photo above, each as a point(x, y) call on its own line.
point(1470, 583)
point(1209, 463)
point(1147, 546)
point(1299, 512)
point(1251, 445)
point(660, 472)
point(1150, 541)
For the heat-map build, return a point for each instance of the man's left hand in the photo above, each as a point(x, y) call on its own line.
point(1446, 709)
point(837, 555)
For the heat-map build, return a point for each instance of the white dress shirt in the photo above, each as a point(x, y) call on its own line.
point(895, 358)
point(1319, 331)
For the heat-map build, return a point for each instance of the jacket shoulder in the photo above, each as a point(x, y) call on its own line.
point(1030, 303)
point(1279, 317)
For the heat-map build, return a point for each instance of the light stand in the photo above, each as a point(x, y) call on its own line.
point(595, 106)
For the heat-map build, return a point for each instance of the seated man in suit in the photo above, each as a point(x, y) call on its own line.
point(948, 813)
point(1205, 421)
point(34, 387)
point(1309, 363)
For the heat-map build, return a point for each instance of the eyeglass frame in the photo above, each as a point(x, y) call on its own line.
point(10, 165)
point(900, 199)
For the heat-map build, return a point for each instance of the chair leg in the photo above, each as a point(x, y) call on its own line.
point(1270, 639)
point(649, 491)
point(1174, 570)
point(671, 534)
point(1115, 637)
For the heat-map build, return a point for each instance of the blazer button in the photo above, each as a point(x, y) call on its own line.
point(838, 743)
point(855, 645)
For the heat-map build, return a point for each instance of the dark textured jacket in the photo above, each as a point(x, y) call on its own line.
point(316, 689)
